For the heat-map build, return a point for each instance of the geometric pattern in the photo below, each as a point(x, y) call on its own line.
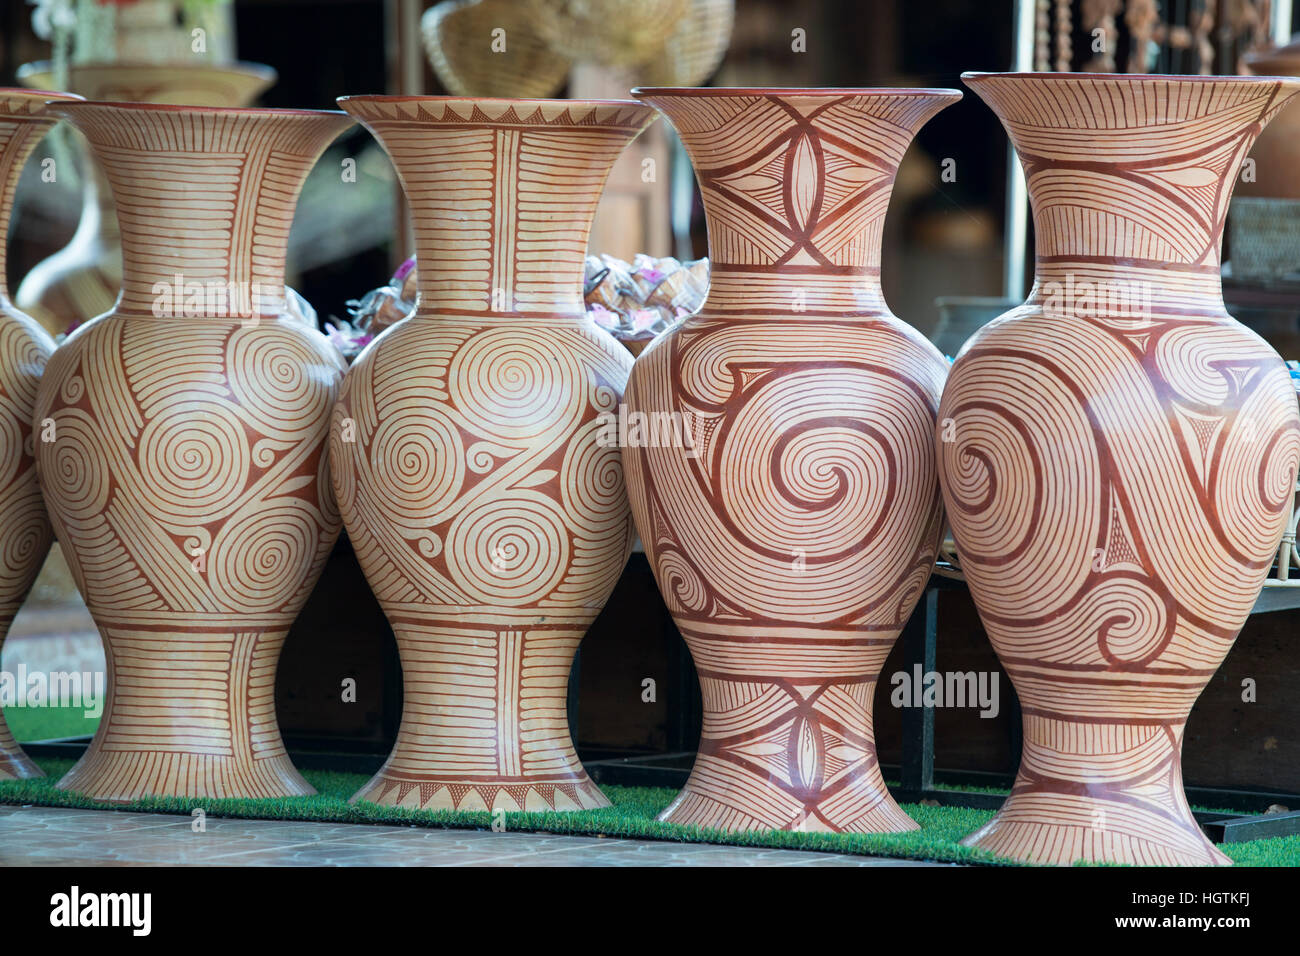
point(187, 479)
point(469, 460)
point(794, 533)
point(1121, 455)
point(25, 347)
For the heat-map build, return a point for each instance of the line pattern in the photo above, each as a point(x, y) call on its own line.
point(1089, 433)
point(25, 347)
point(794, 537)
point(187, 479)
point(487, 511)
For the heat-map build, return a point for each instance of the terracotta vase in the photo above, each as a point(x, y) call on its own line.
point(472, 451)
point(24, 349)
point(1116, 455)
point(1273, 175)
point(186, 478)
point(82, 279)
point(779, 456)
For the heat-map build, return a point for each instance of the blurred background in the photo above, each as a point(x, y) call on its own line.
point(958, 250)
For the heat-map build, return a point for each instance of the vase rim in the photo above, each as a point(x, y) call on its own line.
point(792, 91)
point(438, 98)
point(977, 76)
point(44, 96)
point(180, 108)
point(244, 67)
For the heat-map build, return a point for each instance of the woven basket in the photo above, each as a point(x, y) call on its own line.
point(694, 50)
point(458, 37)
point(609, 32)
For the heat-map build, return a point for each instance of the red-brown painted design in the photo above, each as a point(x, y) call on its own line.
point(1120, 455)
point(187, 474)
point(470, 452)
point(24, 349)
point(794, 531)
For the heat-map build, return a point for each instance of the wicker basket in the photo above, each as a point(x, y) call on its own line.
point(694, 50)
point(609, 32)
point(458, 38)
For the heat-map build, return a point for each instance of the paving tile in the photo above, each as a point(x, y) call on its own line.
point(47, 836)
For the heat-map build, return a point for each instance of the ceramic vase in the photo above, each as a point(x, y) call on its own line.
point(1116, 455)
point(82, 279)
point(186, 471)
point(473, 449)
point(779, 457)
point(24, 349)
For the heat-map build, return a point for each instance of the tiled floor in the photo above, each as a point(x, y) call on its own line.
point(44, 836)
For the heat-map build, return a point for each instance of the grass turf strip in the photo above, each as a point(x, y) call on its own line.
point(632, 815)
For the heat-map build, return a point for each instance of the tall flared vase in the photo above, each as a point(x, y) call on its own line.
point(82, 279)
point(1117, 454)
point(779, 455)
point(186, 471)
point(474, 451)
point(24, 349)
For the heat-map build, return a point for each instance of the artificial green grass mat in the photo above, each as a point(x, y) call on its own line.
point(49, 723)
point(632, 815)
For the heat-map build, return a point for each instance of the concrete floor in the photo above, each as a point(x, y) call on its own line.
point(44, 836)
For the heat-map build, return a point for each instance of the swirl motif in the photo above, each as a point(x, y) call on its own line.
point(485, 509)
point(187, 474)
point(792, 537)
point(514, 556)
point(25, 533)
point(1108, 461)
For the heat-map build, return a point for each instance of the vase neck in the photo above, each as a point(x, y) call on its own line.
point(1076, 287)
point(502, 195)
point(23, 123)
point(796, 185)
point(204, 199)
point(1132, 172)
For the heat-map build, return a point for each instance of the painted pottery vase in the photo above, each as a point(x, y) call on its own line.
point(1116, 455)
point(474, 451)
point(186, 471)
point(779, 456)
point(24, 349)
point(82, 279)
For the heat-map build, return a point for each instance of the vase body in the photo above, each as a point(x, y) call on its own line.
point(470, 447)
point(24, 349)
point(82, 279)
point(1118, 455)
point(793, 528)
point(186, 478)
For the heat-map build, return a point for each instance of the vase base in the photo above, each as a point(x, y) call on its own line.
point(559, 795)
point(16, 765)
point(714, 799)
point(116, 776)
point(1029, 828)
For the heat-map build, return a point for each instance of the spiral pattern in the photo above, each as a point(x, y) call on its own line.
point(71, 471)
point(259, 550)
point(420, 463)
point(512, 384)
point(284, 384)
point(152, 444)
point(516, 556)
point(195, 467)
